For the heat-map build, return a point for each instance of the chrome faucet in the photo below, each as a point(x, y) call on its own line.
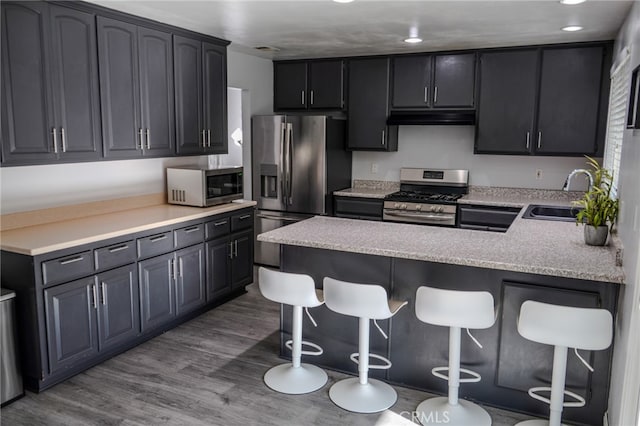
point(575, 172)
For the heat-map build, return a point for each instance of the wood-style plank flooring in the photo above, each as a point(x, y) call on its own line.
point(205, 372)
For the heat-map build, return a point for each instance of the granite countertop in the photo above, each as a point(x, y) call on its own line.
point(530, 246)
point(361, 192)
point(40, 239)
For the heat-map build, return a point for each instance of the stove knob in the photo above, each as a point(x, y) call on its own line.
point(433, 209)
point(440, 209)
point(396, 205)
point(403, 206)
point(419, 207)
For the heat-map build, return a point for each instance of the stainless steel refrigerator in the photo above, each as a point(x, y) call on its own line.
point(297, 163)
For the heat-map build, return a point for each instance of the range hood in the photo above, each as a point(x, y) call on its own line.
point(432, 117)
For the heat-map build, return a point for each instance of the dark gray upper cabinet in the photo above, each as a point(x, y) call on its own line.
point(369, 106)
point(303, 85)
point(200, 96)
point(542, 101)
point(215, 97)
point(412, 82)
point(507, 104)
point(438, 81)
point(454, 78)
point(119, 88)
point(569, 100)
point(27, 101)
point(156, 92)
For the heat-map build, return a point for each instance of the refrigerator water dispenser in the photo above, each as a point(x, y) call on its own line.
point(269, 180)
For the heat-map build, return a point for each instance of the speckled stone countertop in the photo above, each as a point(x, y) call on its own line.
point(369, 189)
point(45, 238)
point(517, 197)
point(530, 246)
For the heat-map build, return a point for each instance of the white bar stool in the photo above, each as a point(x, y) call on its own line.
point(563, 327)
point(367, 302)
point(456, 310)
point(299, 291)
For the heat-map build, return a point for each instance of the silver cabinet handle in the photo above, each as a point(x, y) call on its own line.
point(230, 249)
point(312, 97)
point(140, 137)
point(539, 139)
point(236, 247)
point(119, 248)
point(72, 260)
point(172, 275)
point(302, 94)
point(383, 138)
point(435, 95)
point(180, 267)
point(64, 139)
point(222, 222)
point(209, 138)
point(203, 139)
point(159, 238)
point(104, 293)
point(528, 139)
point(426, 94)
point(94, 302)
point(148, 139)
point(190, 230)
point(246, 216)
point(55, 140)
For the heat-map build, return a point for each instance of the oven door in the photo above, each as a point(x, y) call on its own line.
point(223, 186)
point(425, 218)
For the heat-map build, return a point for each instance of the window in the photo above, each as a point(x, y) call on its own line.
point(616, 122)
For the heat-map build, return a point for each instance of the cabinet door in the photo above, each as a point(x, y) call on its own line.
point(71, 322)
point(214, 106)
point(187, 68)
point(368, 105)
point(190, 279)
point(569, 100)
point(119, 306)
point(290, 86)
point(157, 291)
point(326, 85)
point(242, 261)
point(454, 80)
point(507, 102)
point(411, 82)
point(119, 91)
point(75, 84)
point(156, 92)
point(218, 263)
point(27, 104)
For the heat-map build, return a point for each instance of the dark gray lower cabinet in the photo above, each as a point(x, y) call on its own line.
point(157, 291)
point(190, 279)
point(231, 261)
point(242, 260)
point(358, 208)
point(218, 253)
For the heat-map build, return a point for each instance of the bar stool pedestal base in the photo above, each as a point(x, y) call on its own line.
point(373, 397)
point(286, 378)
point(438, 411)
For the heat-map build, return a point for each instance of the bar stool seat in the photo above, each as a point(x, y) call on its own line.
point(299, 291)
point(367, 302)
point(456, 310)
point(563, 327)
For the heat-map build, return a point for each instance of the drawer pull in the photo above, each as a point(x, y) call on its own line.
point(159, 238)
point(246, 216)
point(223, 222)
point(72, 260)
point(194, 229)
point(119, 248)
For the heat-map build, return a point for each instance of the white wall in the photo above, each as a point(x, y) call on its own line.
point(625, 381)
point(35, 187)
point(451, 147)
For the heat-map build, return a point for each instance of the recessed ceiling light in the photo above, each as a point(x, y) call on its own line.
point(413, 40)
point(343, 1)
point(572, 2)
point(572, 28)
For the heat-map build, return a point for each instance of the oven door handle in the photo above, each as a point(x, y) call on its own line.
point(421, 216)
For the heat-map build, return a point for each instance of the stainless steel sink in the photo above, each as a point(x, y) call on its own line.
point(560, 213)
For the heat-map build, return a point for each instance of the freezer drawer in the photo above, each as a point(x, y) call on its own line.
point(268, 254)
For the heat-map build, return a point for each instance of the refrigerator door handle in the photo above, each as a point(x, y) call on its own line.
point(290, 164)
point(283, 185)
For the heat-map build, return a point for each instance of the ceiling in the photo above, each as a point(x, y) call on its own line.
point(323, 28)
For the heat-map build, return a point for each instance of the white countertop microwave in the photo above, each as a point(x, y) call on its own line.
point(203, 187)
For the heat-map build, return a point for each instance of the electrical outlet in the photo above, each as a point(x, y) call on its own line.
point(374, 168)
point(538, 174)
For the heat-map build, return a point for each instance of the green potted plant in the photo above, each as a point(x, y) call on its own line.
point(599, 210)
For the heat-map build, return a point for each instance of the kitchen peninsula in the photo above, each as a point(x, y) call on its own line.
point(534, 260)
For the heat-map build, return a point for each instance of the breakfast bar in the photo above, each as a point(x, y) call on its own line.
point(546, 261)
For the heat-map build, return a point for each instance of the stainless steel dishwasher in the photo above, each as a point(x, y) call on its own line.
point(10, 377)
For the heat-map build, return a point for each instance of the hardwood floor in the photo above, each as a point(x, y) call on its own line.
point(205, 372)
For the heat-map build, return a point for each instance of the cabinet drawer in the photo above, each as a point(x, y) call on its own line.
point(241, 221)
point(67, 267)
point(155, 244)
point(218, 228)
point(189, 235)
point(115, 255)
point(360, 207)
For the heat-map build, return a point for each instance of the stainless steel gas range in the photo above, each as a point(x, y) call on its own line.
point(426, 196)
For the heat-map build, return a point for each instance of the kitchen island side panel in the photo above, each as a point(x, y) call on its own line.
point(508, 364)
